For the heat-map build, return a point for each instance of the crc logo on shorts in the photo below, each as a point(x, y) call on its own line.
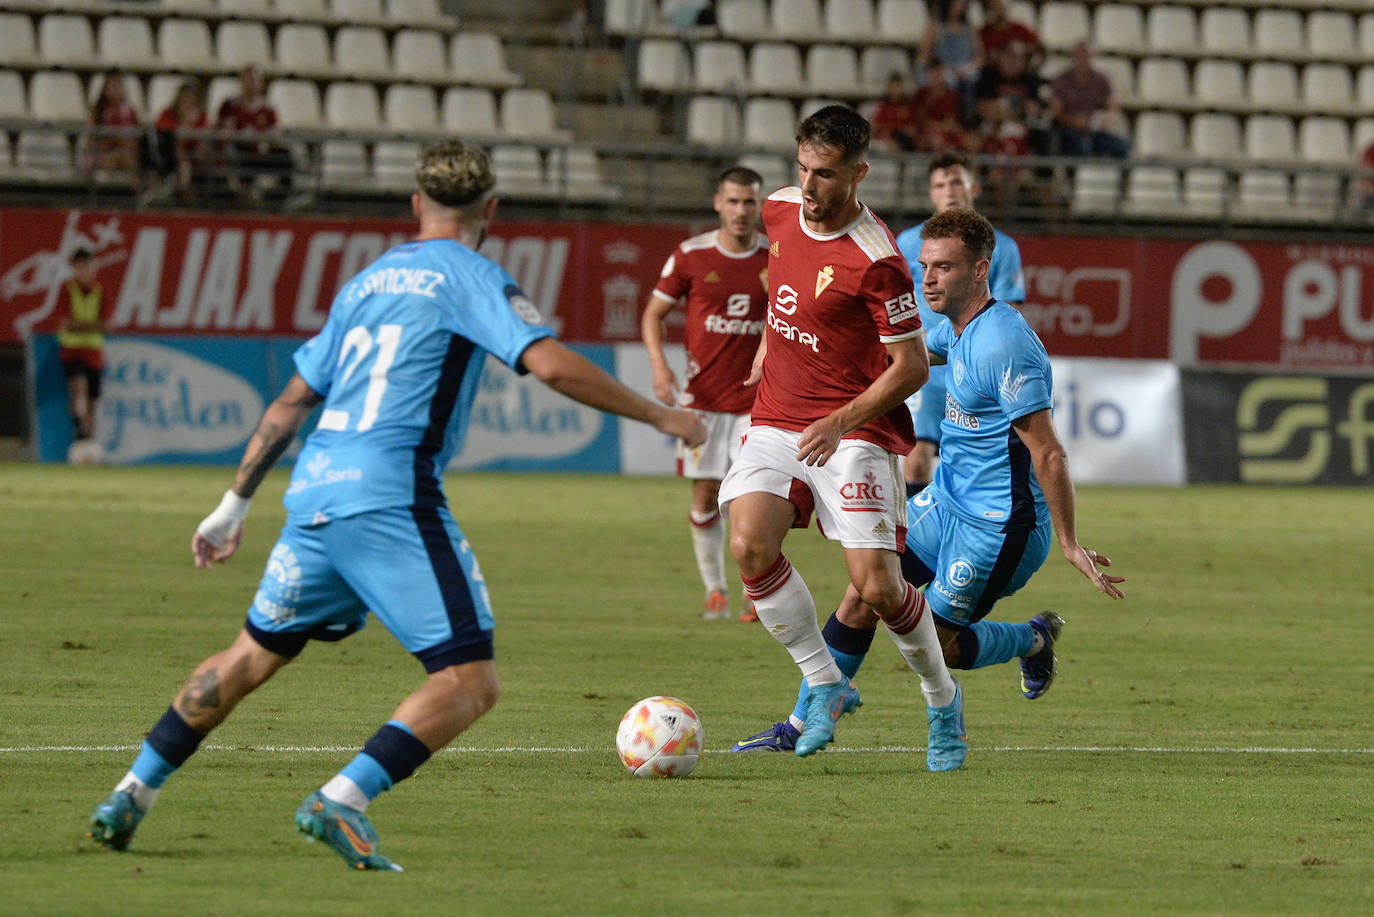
point(960, 573)
point(864, 496)
point(280, 589)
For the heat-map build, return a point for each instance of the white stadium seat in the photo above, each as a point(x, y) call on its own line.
point(878, 62)
point(410, 109)
point(393, 164)
point(746, 19)
point(1216, 135)
point(1064, 24)
point(797, 19)
point(1120, 71)
point(833, 69)
point(1325, 140)
point(775, 169)
point(575, 173)
point(44, 153)
point(356, 10)
point(719, 67)
point(630, 17)
point(184, 43)
point(1171, 29)
point(350, 105)
point(713, 121)
point(1219, 82)
point(902, 21)
point(420, 54)
point(528, 113)
point(361, 51)
point(13, 99)
point(65, 39)
point(1204, 191)
point(18, 46)
point(220, 88)
point(125, 40)
point(303, 48)
point(850, 20)
point(297, 102)
point(1162, 81)
point(1273, 84)
point(519, 171)
point(238, 44)
point(1270, 137)
point(1160, 133)
point(1327, 86)
point(1367, 35)
point(249, 9)
point(343, 164)
point(413, 10)
point(1279, 33)
point(1096, 188)
point(133, 92)
point(1226, 30)
point(56, 95)
point(1264, 193)
point(470, 111)
point(480, 58)
point(664, 65)
point(1119, 27)
point(1152, 190)
point(770, 123)
point(775, 67)
point(1331, 34)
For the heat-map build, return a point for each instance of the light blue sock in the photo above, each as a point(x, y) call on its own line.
point(151, 767)
point(1001, 641)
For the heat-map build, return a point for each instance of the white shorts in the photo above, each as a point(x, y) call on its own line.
point(713, 458)
point(858, 495)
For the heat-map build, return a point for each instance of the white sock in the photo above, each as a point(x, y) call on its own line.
point(144, 795)
point(784, 606)
point(344, 791)
point(708, 541)
point(913, 630)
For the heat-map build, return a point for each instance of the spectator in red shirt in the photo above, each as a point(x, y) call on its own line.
point(1083, 104)
point(1000, 29)
point(113, 153)
point(182, 156)
point(939, 108)
point(248, 112)
point(1009, 103)
point(894, 117)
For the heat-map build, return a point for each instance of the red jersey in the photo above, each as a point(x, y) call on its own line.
point(727, 296)
point(237, 115)
point(834, 301)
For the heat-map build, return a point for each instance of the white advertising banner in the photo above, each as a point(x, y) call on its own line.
point(644, 450)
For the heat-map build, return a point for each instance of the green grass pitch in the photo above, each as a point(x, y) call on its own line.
point(1205, 750)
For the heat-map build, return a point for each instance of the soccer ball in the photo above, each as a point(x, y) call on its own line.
point(85, 452)
point(660, 737)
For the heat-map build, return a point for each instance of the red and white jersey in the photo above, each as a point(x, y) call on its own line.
point(834, 301)
point(726, 296)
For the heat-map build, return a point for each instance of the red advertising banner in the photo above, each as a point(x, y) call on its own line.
point(1193, 302)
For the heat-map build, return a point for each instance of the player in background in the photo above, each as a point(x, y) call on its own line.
point(396, 367)
point(953, 184)
point(983, 527)
point(722, 278)
point(81, 343)
point(842, 351)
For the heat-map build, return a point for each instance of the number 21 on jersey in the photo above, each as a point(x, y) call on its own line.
point(357, 347)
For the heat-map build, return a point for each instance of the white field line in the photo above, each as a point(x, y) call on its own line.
point(885, 749)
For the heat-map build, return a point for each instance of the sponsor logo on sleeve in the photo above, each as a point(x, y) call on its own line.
point(901, 308)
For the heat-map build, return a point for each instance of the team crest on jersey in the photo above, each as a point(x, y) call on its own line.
point(824, 277)
point(775, 250)
point(712, 277)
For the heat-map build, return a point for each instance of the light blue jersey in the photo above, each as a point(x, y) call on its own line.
point(998, 371)
point(398, 362)
point(1005, 282)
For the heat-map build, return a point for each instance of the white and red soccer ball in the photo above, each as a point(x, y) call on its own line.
point(660, 737)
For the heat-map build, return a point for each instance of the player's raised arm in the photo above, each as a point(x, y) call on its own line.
point(218, 535)
point(569, 373)
point(1051, 464)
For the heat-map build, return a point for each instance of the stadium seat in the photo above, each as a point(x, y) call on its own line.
point(133, 92)
point(6, 154)
point(1269, 138)
point(519, 171)
point(1327, 86)
point(350, 105)
point(1364, 134)
point(125, 41)
point(630, 17)
point(56, 95)
point(343, 164)
point(162, 89)
point(303, 48)
point(796, 19)
point(1279, 33)
point(297, 102)
point(1064, 24)
point(65, 38)
point(246, 9)
point(1325, 140)
point(1204, 191)
point(417, 11)
point(528, 113)
point(1216, 135)
point(393, 164)
point(220, 88)
point(850, 21)
point(775, 67)
point(1096, 188)
point(902, 21)
point(1331, 34)
point(713, 121)
point(1220, 83)
point(1226, 30)
point(419, 54)
point(770, 123)
point(575, 173)
point(1364, 88)
point(1273, 84)
point(743, 19)
point(18, 46)
point(190, 6)
point(1171, 29)
point(833, 69)
point(1317, 195)
point(356, 10)
point(1121, 72)
point(1264, 194)
point(360, 51)
point(44, 154)
point(1119, 27)
point(184, 44)
point(1159, 133)
point(470, 111)
point(878, 62)
point(238, 44)
point(664, 65)
point(410, 109)
point(480, 58)
point(881, 189)
point(1162, 81)
point(719, 67)
point(13, 99)
point(1367, 35)
point(1152, 191)
point(775, 170)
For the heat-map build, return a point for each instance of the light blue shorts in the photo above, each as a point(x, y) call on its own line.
point(964, 568)
point(412, 568)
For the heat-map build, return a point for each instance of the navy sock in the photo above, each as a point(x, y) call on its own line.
point(395, 748)
point(167, 747)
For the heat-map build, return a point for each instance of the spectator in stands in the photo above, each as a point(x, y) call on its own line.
point(1083, 105)
point(894, 116)
point(950, 37)
point(939, 110)
point(1000, 29)
point(81, 339)
point(1367, 179)
point(182, 158)
point(1010, 110)
point(111, 152)
point(248, 112)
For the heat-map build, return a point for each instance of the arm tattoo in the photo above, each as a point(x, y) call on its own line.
point(200, 694)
